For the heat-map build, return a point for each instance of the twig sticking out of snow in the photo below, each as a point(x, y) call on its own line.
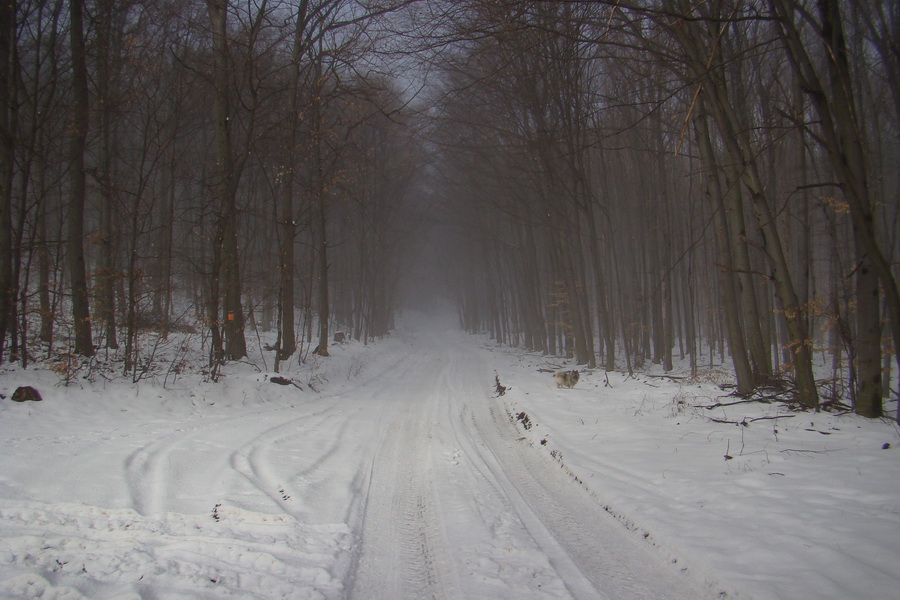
point(499, 388)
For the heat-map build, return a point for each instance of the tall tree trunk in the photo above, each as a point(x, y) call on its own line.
point(748, 303)
point(581, 318)
point(322, 240)
point(662, 306)
point(78, 125)
point(225, 190)
point(7, 149)
point(286, 300)
point(131, 299)
point(168, 236)
point(604, 314)
point(288, 342)
point(321, 216)
point(213, 304)
point(868, 337)
point(106, 277)
point(44, 284)
point(727, 279)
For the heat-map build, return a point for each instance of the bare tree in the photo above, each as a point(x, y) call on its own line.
point(226, 266)
point(106, 274)
point(831, 93)
point(7, 158)
point(78, 126)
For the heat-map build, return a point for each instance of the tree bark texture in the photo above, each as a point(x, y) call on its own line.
point(7, 158)
point(78, 126)
point(225, 189)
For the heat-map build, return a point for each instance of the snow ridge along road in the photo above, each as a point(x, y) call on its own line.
point(405, 479)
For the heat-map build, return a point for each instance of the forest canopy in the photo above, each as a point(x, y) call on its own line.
point(619, 183)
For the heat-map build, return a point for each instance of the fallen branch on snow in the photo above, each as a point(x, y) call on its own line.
point(746, 422)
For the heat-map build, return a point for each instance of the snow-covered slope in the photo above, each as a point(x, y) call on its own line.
point(399, 474)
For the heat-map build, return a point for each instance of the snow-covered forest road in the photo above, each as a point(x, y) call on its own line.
point(404, 478)
point(456, 507)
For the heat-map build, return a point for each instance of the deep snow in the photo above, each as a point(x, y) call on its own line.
point(393, 470)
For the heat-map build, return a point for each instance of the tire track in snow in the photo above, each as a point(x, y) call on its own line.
point(203, 454)
point(508, 490)
point(596, 557)
point(282, 463)
point(543, 510)
point(365, 456)
point(403, 553)
point(186, 460)
point(278, 466)
point(145, 476)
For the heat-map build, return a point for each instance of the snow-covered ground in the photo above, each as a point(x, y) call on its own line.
point(395, 471)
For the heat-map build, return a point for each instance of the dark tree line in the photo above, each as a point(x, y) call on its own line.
point(626, 182)
point(212, 164)
point(649, 179)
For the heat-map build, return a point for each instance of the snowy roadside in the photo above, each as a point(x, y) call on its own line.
point(773, 503)
point(177, 487)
